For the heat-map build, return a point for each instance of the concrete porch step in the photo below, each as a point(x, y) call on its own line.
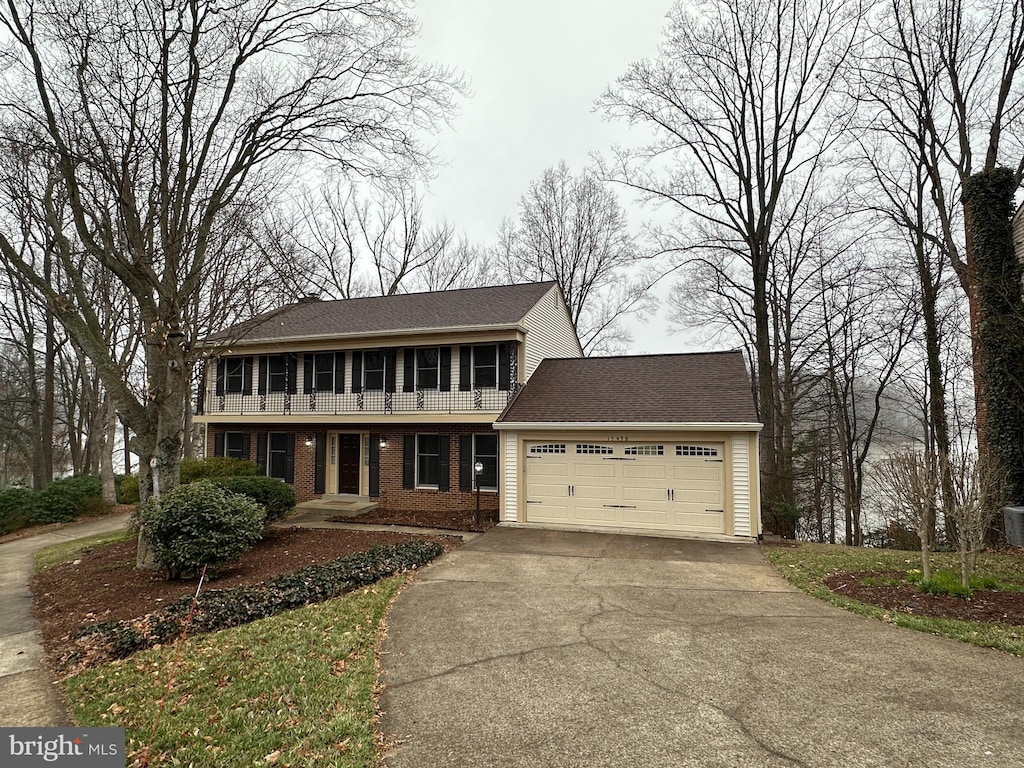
point(336, 505)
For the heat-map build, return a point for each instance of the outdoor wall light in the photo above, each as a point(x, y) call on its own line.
point(309, 442)
point(383, 443)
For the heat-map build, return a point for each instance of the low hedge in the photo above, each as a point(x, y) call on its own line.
point(216, 466)
point(275, 495)
point(61, 500)
point(218, 609)
point(127, 489)
point(17, 508)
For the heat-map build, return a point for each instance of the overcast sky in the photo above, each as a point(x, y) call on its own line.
point(535, 68)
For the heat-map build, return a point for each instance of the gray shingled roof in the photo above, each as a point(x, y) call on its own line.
point(469, 307)
point(709, 387)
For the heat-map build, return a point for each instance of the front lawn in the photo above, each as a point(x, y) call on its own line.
point(883, 581)
point(295, 689)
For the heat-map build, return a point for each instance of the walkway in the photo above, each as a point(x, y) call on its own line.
point(28, 697)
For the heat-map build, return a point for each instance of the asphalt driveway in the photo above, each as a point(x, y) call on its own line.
point(541, 648)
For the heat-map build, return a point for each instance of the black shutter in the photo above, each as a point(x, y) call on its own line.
point(218, 444)
point(357, 371)
point(201, 394)
point(465, 368)
point(247, 446)
point(263, 375)
point(247, 375)
point(390, 360)
point(289, 458)
point(503, 368)
point(261, 452)
point(220, 376)
point(374, 466)
point(307, 374)
point(409, 377)
point(444, 464)
point(445, 383)
point(320, 462)
point(293, 372)
point(466, 463)
point(339, 372)
point(409, 461)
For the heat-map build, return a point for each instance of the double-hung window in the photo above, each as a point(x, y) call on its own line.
point(374, 369)
point(428, 461)
point(234, 374)
point(323, 372)
point(236, 445)
point(277, 454)
point(485, 451)
point(428, 367)
point(277, 373)
point(485, 367)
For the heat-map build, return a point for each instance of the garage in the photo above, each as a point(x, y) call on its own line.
point(633, 444)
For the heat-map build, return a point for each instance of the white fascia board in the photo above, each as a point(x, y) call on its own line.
point(647, 426)
point(359, 335)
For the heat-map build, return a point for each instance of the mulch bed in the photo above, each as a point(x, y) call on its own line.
point(450, 521)
point(105, 585)
point(982, 605)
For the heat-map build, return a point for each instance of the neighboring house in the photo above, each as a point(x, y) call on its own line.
point(391, 398)
point(397, 398)
point(653, 443)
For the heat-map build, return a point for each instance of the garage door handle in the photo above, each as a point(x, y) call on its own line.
point(714, 461)
point(618, 506)
point(534, 502)
point(714, 510)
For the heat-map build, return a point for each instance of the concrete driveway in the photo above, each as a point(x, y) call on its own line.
point(541, 648)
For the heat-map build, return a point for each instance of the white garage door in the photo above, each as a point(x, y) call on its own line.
point(655, 486)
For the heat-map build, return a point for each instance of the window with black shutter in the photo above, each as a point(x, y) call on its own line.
point(323, 372)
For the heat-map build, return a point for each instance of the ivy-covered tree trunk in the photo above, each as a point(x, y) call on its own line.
point(989, 195)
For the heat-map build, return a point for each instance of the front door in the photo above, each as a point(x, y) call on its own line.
point(348, 463)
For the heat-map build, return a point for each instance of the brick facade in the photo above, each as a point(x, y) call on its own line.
point(392, 494)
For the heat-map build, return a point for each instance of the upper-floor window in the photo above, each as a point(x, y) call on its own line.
point(234, 374)
point(278, 373)
point(485, 367)
point(428, 367)
point(374, 369)
point(323, 371)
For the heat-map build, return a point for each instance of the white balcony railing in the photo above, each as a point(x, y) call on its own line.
point(348, 403)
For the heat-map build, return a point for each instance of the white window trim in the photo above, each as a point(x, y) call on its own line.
point(330, 370)
point(416, 370)
point(383, 369)
point(497, 366)
point(416, 466)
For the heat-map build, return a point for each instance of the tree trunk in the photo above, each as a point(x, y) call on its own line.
point(107, 451)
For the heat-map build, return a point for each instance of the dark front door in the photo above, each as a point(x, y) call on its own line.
point(348, 463)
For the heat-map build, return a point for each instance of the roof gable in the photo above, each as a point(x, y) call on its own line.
point(503, 305)
point(698, 388)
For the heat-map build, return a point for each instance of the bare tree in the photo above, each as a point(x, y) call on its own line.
point(156, 119)
point(914, 483)
point(741, 100)
point(976, 482)
point(571, 229)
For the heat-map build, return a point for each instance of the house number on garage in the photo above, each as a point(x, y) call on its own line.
point(618, 438)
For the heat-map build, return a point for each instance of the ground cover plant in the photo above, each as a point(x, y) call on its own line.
point(295, 689)
point(887, 584)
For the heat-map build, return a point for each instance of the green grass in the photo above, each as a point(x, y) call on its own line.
point(70, 550)
point(295, 689)
point(807, 565)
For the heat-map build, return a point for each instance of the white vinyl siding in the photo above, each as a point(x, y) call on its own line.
point(740, 486)
point(549, 333)
point(510, 472)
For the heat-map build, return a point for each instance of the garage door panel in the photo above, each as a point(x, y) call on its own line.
point(646, 517)
point(632, 494)
point(535, 491)
point(548, 513)
point(710, 522)
point(595, 514)
point(598, 492)
point(587, 469)
point(712, 499)
point(708, 472)
point(545, 468)
point(644, 471)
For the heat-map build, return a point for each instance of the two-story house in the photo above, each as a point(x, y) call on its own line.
point(391, 398)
